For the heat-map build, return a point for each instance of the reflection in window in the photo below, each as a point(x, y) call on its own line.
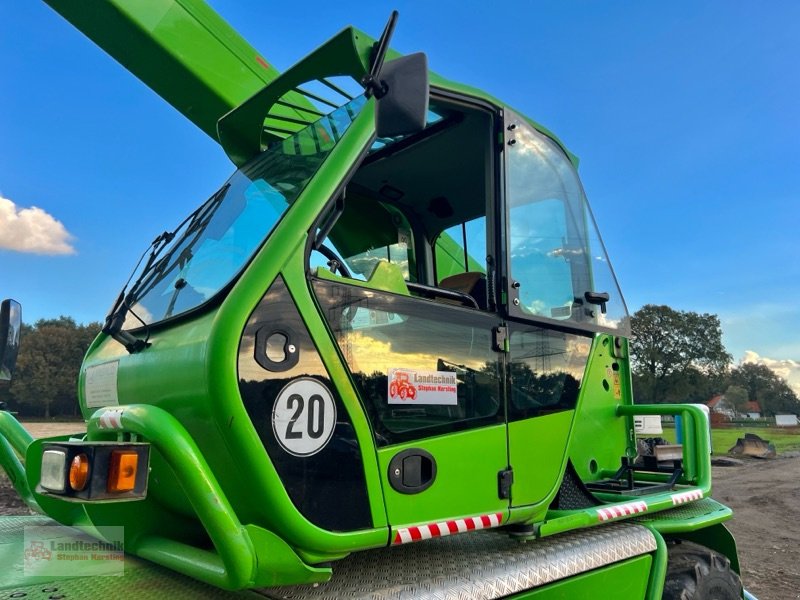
point(555, 251)
point(415, 342)
point(546, 369)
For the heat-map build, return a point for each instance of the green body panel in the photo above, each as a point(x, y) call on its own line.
point(599, 438)
point(466, 481)
point(141, 579)
point(626, 580)
point(189, 373)
point(450, 258)
point(14, 443)
point(386, 277)
point(185, 52)
point(537, 453)
point(658, 572)
point(241, 130)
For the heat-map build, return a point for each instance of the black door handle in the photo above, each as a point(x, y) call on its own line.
point(412, 471)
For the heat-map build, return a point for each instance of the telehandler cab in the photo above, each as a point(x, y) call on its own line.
point(395, 325)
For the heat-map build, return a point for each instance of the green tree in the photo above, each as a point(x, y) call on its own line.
point(50, 356)
point(737, 396)
point(675, 353)
point(766, 387)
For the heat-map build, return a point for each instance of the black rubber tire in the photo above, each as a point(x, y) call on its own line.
point(695, 572)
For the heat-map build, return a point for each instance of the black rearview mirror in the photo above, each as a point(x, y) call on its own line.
point(403, 107)
point(10, 324)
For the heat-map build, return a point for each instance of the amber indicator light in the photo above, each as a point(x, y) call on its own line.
point(79, 472)
point(122, 471)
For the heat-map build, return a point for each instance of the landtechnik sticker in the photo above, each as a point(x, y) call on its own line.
point(412, 386)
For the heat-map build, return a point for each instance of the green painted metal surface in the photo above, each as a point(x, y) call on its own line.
point(386, 277)
point(599, 439)
point(14, 443)
point(537, 453)
point(623, 581)
point(658, 572)
point(466, 482)
point(241, 130)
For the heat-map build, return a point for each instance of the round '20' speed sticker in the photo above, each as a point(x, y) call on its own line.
point(304, 416)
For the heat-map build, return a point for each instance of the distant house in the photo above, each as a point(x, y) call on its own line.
point(724, 410)
point(721, 409)
point(786, 420)
point(752, 410)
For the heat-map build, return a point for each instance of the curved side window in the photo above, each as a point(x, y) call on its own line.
point(188, 266)
point(558, 266)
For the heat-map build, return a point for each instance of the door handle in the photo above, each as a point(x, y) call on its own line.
point(412, 471)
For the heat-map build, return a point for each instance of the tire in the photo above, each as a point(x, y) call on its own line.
point(695, 572)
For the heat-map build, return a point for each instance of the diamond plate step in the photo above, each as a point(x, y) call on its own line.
point(474, 566)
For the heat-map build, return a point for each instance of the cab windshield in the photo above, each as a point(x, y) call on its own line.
point(211, 246)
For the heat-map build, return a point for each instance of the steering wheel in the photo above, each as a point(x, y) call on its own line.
point(334, 262)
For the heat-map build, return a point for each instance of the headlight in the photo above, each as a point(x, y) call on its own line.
point(90, 471)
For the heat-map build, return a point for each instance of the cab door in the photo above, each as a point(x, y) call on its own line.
point(560, 291)
point(416, 323)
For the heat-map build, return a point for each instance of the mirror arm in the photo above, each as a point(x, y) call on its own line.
point(372, 86)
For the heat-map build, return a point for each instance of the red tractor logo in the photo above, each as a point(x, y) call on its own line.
point(37, 551)
point(400, 386)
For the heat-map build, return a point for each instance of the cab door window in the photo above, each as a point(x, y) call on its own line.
point(557, 264)
point(423, 368)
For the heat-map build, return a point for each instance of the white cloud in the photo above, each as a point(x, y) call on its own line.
point(32, 230)
point(786, 368)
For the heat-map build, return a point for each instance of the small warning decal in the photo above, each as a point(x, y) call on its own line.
point(411, 386)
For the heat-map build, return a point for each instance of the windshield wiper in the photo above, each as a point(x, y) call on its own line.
point(156, 270)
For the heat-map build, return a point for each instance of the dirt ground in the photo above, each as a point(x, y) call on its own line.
point(765, 498)
point(764, 494)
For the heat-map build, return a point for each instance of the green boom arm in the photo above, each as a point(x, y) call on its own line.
point(182, 49)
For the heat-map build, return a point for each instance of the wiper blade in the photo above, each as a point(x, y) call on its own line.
point(197, 223)
point(119, 310)
point(156, 269)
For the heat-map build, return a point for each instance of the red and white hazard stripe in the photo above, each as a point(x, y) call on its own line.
point(111, 419)
point(405, 535)
point(621, 510)
point(685, 497)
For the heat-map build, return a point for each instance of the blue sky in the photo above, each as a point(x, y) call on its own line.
point(685, 117)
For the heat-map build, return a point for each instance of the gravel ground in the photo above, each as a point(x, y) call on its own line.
point(764, 494)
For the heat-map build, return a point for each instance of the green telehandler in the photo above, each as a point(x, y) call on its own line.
point(388, 358)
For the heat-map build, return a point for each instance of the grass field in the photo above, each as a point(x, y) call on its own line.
point(724, 438)
point(785, 440)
